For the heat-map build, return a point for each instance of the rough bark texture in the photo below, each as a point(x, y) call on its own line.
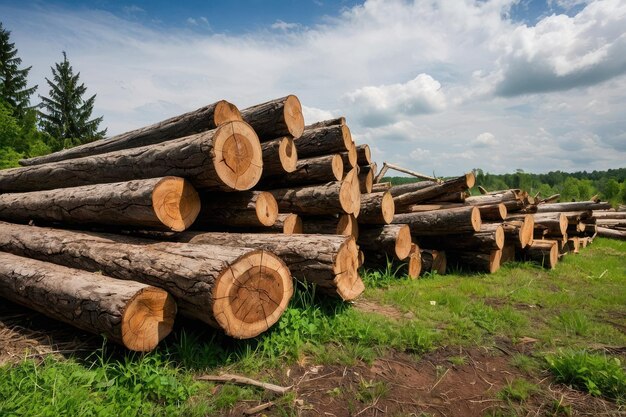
point(221, 211)
point(455, 197)
point(376, 208)
point(205, 118)
point(324, 141)
point(366, 179)
point(573, 206)
point(544, 252)
point(279, 156)
point(275, 118)
point(289, 224)
point(381, 186)
point(491, 199)
point(330, 262)
point(481, 261)
point(330, 198)
point(397, 190)
point(493, 212)
point(135, 315)
point(615, 234)
point(349, 158)
point(439, 222)
point(344, 224)
point(316, 170)
point(392, 239)
point(403, 201)
point(168, 203)
point(490, 237)
point(227, 158)
point(433, 261)
point(339, 121)
point(363, 155)
point(223, 286)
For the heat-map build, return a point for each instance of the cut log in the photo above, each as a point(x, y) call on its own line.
point(614, 234)
point(221, 211)
point(330, 198)
point(393, 240)
point(275, 118)
point(493, 212)
point(366, 180)
point(573, 206)
point(508, 253)
point(352, 178)
point(480, 261)
point(316, 170)
point(414, 262)
point(381, 186)
point(544, 252)
point(328, 261)
point(344, 224)
point(609, 214)
point(434, 206)
point(227, 158)
point(349, 158)
point(289, 224)
point(168, 203)
point(364, 155)
point(554, 223)
point(135, 315)
point(434, 261)
point(491, 236)
point(324, 141)
point(279, 156)
point(455, 197)
point(206, 118)
point(440, 222)
point(339, 121)
point(403, 201)
point(376, 208)
point(397, 190)
point(241, 291)
point(611, 223)
point(519, 231)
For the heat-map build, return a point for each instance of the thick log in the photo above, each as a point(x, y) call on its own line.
point(168, 203)
point(241, 291)
point(554, 223)
point(366, 180)
point(439, 222)
point(519, 231)
point(403, 201)
point(376, 208)
point(339, 121)
point(393, 240)
point(227, 158)
point(137, 316)
point(324, 141)
point(544, 252)
point(279, 156)
point(614, 234)
point(349, 158)
point(434, 261)
point(573, 206)
point(344, 224)
point(328, 261)
point(493, 212)
point(364, 155)
point(491, 236)
point(480, 261)
point(316, 170)
point(221, 211)
point(206, 118)
point(275, 118)
point(330, 198)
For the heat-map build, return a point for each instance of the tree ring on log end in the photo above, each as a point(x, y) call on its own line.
point(347, 225)
point(147, 319)
point(176, 203)
point(499, 237)
point(495, 257)
point(388, 207)
point(337, 166)
point(404, 246)
point(347, 280)
point(238, 156)
point(353, 156)
point(251, 295)
point(294, 118)
point(288, 154)
point(225, 112)
point(347, 138)
point(292, 224)
point(476, 220)
point(266, 208)
point(414, 265)
point(527, 230)
point(350, 193)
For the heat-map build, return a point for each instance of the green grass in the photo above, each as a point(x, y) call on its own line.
point(568, 309)
point(518, 390)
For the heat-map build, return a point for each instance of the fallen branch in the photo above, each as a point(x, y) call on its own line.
point(242, 380)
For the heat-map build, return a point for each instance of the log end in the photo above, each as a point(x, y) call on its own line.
point(225, 112)
point(503, 211)
point(388, 207)
point(350, 194)
point(527, 230)
point(292, 224)
point(147, 319)
point(414, 264)
point(404, 246)
point(176, 203)
point(288, 154)
point(470, 179)
point(352, 155)
point(266, 208)
point(237, 155)
point(348, 283)
point(337, 167)
point(348, 226)
point(251, 295)
point(476, 219)
point(563, 222)
point(365, 151)
point(366, 181)
point(294, 119)
point(499, 237)
point(495, 258)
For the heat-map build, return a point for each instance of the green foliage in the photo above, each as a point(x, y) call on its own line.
point(518, 390)
point(574, 322)
point(597, 374)
point(66, 114)
point(13, 79)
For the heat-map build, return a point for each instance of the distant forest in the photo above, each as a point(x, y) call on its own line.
point(610, 185)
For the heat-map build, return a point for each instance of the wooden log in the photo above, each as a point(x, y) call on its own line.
point(554, 223)
point(316, 170)
point(349, 158)
point(573, 206)
point(609, 214)
point(491, 236)
point(387, 166)
point(135, 315)
point(330, 198)
point(434, 261)
point(428, 193)
point(352, 178)
point(238, 290)
point(289, 224)
point(366, 180)
point(381, 186)
point(432, 206)
point(376, 208)
point(414, 262)
point(611, 223)
point(206, 118)
point(481, 261)
point(544, 252)
point(324, 141)
point(519, 231)
point(397, 190)
point(573, 244)
point(493, 212)
point(339, 121)
point(221, 211)
point(227, 158)
point(275, 118)
point(455, 197)
point(344, 224)
point(508, 253)
point(328, 261)
point(393, 240)
point(439, 222)
point(279, 156)
point(364, 155)
point(613, 234)
point(169, 203)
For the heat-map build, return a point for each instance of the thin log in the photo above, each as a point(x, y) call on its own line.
point(614, 234)
point(410, 172)
point(242, 380)
point(316, 170)
point(544, 252)
point(397, 190)
point(279, 156)
point(221, 211)
point(339, 121)
point(491, 199)
point(450, 221)
point(381, 186)
point(135, 315)
point(376, 208)
point(276, 118)
point(573, 206)
point(609, 214)
point(457, 184)
point(206, 118)
point(366, 180)
point(344, 224)
point(392, 239)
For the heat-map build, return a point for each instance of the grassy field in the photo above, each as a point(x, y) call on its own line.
point(540, 331)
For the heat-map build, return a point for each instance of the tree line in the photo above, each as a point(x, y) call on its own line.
point(60, 120)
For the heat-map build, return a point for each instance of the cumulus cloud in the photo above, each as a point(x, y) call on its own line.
point(284, 26)
point(312, 114)
point(484, 140)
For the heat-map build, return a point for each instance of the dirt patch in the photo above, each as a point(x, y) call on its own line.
point(384, 310)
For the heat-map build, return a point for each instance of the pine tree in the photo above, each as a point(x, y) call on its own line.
point(67, 115)
point(13, 90)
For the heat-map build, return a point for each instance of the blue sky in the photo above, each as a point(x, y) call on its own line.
point(439, 86)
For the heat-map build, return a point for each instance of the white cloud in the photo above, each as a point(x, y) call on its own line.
point(284, 26)
point(485, 140)
point(312, 114)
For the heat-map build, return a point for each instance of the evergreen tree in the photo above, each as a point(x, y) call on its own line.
point(13, 90)
point(67, 115)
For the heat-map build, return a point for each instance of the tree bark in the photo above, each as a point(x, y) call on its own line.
point(206, 118)
point(344, 224)
point(289, 224)
point(316, 170)
point(324, 141)
point(403, 201)
point(381, 186)
point(330, 198)
point(339, 121)
point(241, 291)
point(482, 261)
point(330, 262)
point(364, 155)
point(496, 212)
point(455, 197)
point(614, 234)
point(491, 236)
point(554, 223)
point(609, 215)
point(349, 158)
point(491, 199)
point(397, 190)
point(433, 261)
point(376, 208)
point(366, 180)
point(227, 158)
point(221, 211)
point(168, 203)
point(279, 156)
point(135, 315)
point(508, 253)
point(391, 239)
point(275, 118)
point(439, 222)
point(544, 252)
point(573, 206)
